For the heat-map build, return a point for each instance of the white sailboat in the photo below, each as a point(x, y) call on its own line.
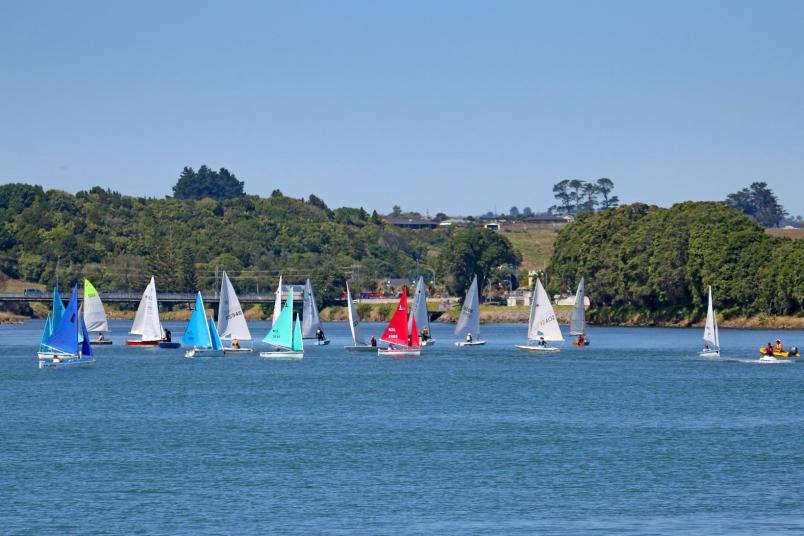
point(419, 312)
point(359, 339)
point(94, 314)
point(232, 324)
point(468, 325)
point(285, 335)
point(578, 319)
point(711, 338)
point(543, 325)
point(146, 322)
point(311, 323)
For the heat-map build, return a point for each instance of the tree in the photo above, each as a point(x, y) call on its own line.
point(473, 252)
point(562, 195)
point(221, 184)
point(396, 210)
point(604, 187)
point(514, 212)
point(760, 203)
point(527, 211)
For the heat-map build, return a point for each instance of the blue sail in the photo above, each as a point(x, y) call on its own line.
point(58, 309)
point(197, 332)
point(281, 334)
point(46, 333)
point(86, 347)
point(298, 343)
point(65, 335)
point(216, 339)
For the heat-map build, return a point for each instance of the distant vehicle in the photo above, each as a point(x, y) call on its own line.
point(32, 292)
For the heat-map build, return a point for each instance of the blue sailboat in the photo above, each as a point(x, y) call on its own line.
point(285, 334)
point(61, 344)
point(201, 333)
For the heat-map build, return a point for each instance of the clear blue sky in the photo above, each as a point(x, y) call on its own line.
point(439, 106)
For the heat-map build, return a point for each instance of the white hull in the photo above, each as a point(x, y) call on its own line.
point(237, 350)
point(772, 359)
point(542, 349)
point(203, 353)
point(325, 342)
point(63, 361)
point(366, 348)
point(282, 355)
point(428, 342)
point(399, 352)
point(710, 353)
point(473, 343)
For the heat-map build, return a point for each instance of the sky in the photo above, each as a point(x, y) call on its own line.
point(458, 107)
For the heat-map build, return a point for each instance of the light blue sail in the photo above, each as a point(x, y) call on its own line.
point(46, 333)
point(58, 309)
point(298, 343)
point(281, 334)
point(216, 339)
point(65, 334)
point(197, 332)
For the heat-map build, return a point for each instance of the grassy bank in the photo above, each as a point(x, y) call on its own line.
point(534, 242)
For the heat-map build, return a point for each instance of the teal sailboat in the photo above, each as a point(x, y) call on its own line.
point(201, 333)
point(52, 321)
point(67, 343)
point(285, 335)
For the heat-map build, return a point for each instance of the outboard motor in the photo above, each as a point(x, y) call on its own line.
point(793, 350)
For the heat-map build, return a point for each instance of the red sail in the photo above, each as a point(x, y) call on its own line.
point(397, 330)
point(414, 335)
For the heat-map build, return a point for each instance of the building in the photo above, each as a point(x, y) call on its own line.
point(548, 219)
point(519, 297)
point(411, 222)
point(492, 226)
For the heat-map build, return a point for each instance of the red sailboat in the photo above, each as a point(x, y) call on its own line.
point(400, 341)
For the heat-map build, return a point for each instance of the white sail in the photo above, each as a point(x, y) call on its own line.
point(469, 321)
point(94, 314)
point(710, 330)
point(543, 321)
point(277, 302)
point(231, 320)
point(310, 320)
point(354, 321)
point(578, 320)
point(146, 322)
point(419, 309)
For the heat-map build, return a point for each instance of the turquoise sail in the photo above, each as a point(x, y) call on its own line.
point(281, 334)
point(298, 344)
point(197, 332)
point(86, 347)
point(58, 309)
point(216, 339)
point(65, 335)
point(46, 333)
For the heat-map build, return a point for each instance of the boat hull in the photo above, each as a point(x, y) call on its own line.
point(764, 352)
point(130, 342)
point(316, 342)
point(203, 353)
point(538, 349)
point(399, 352)
point(580, 345)
point(63, 361)
point(367, 349)
point(473, 343)
point(96, 342)
point(237, 350)
point(710, 354)
point(278, 355)
point(428, 342)
point(169, 345)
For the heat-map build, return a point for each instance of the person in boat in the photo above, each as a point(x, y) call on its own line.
point(469, 338)
point(235, 344)
point(581, 339)
point(706, 347)
point(425, 334)
point(410, 340)
point(319, 334)
point(167, 335)
point(542, 342)
point(101, 338)
point(373, 341)
point(769, 349)
point(778, 346)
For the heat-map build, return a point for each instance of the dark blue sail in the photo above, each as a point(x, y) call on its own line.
point(86, 347)
point(65, 334)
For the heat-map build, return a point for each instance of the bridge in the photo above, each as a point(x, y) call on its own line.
point(134, 297)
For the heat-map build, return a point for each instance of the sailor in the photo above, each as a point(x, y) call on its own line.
point(425, 334)
point(319, 334)
point(580, 339)
point(469, 337)
point(373, 341)
point(101, 337)
point(542, 342)
point(167, 335)
point(235, 344)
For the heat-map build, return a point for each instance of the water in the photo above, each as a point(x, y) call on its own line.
point(602, 440)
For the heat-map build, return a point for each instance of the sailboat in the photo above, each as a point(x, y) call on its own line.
point(710, 337)
point(201, 333)
point(94, 314)
point(468, 325)
point(62, 347)
point(543, 324)
point(402, 343)
point(231, 320)
point(578, 319)
point(146, 322)
point(360, 344)
point(419, 312)
point(311, 323)
point(53, 319)
point(285, 334)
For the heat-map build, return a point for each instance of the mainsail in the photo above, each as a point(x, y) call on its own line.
point(578, 320)
point(94, 315)
point(354, 320)
point(397, 330)
point(419, 309)
point(277, 302)
point(543, 321)
point(198, 333)
point(710, 330)
point(64, 337)
point(281, 334)
point(58, 308)
point(469, 321)
point(310, 320)
point(146, 322)
point(231, 320)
